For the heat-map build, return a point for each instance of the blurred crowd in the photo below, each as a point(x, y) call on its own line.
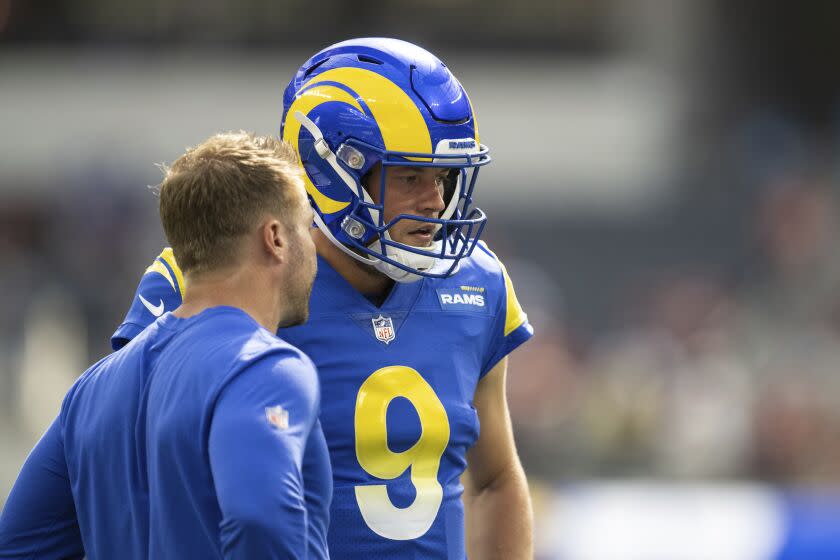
point(703, 372)
point(68, 265)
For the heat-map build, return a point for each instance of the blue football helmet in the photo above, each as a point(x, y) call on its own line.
point(365, 102)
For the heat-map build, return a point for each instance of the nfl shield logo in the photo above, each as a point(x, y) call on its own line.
point(277, 416)
point(383, 328)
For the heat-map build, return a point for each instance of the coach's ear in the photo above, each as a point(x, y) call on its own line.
point(273, 240)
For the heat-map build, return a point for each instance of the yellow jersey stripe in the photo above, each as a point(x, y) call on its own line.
point(159, 267)
point(514, 316)
point(168, 256)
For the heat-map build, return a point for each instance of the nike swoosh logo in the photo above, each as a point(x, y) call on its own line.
point(156, 310)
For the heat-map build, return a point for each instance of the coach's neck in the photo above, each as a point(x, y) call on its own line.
point(248, 285)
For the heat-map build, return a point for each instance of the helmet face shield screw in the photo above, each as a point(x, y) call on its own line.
point(351, 156)
point(353, 228)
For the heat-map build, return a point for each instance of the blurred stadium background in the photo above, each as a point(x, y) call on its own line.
point(664, 193)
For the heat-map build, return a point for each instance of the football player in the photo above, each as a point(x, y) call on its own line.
point(411, 317)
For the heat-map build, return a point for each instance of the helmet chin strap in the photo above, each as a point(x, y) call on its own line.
point(406, 258)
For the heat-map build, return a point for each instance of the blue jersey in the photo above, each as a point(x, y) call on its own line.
point(397, 384)
point(187, 443)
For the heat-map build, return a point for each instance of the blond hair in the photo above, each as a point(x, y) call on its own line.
point(214, 194)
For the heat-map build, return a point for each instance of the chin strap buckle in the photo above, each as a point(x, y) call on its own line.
point(322, 148)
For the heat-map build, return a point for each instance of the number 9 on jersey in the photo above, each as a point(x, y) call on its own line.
point(376, 458)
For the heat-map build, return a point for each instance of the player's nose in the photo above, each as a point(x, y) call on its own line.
point(431, 200)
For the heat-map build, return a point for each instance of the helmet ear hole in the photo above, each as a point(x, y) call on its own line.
point(366, 181)
point(450, 183)
point(318, 179)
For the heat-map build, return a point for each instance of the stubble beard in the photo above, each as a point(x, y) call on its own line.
point(298, 310)
point(298, 297)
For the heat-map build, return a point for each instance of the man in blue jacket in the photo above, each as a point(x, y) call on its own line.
point(191, 441)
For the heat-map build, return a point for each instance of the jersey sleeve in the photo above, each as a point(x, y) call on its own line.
point(317, 480)
point(161, 289)
point(260, 427)
point(511, 327)
point(39, 519)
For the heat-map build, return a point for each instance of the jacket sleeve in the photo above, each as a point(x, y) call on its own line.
point(39, 519)
point(259, 431)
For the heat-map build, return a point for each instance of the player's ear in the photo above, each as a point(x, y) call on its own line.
point(273, 239)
